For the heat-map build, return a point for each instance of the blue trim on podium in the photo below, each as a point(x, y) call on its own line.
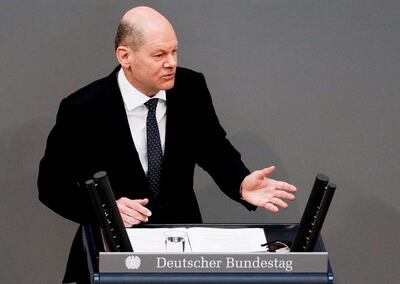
point(239, 278)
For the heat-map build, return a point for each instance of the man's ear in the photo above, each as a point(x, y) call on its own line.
point(124, 55)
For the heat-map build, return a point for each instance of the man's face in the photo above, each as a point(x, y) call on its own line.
point(153, 65)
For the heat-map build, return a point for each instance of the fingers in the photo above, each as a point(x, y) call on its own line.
point(285, 186)
point(132, 216)
point(142, 201)
point(276, 200)
point(133, 212)
point(134, 205)
point(279, 202)
point(138, 205)
point(278, 184)
point(272, 200)
point(271, 207)
point(283, 194)
point(274, 204)
point(129, 221)
point(260, 190)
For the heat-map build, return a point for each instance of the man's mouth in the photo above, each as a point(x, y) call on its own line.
point(169, 76)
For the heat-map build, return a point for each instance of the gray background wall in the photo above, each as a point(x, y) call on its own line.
point(309, 86)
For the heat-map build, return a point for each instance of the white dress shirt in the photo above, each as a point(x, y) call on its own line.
point(136, 112)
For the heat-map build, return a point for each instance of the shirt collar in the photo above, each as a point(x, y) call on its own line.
point(132, 97)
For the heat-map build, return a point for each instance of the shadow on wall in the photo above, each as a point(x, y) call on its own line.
point(364, 239)
point(34, 235)
point(216, 207)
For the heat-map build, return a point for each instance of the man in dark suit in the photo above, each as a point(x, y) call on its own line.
point(147, 125)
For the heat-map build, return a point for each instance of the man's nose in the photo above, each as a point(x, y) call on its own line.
point(171, 61)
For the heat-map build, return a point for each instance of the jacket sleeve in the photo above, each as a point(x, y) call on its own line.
point(60, 180)
point(215, 154)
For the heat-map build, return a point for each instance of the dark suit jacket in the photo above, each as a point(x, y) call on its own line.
point(92, 134)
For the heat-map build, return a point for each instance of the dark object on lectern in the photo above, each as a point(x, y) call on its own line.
point(101, 215)
point(320, 218)
point(312, 212)
point(107, 213)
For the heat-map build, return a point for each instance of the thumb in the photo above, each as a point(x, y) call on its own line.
point(268, 171)
point(143, 201)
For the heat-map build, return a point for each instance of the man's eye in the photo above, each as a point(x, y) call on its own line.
point(158, 56)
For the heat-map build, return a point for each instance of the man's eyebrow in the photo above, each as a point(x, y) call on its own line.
point(159, 50)
point(162, 49)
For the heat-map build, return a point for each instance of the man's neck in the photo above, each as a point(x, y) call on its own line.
point(136, 85)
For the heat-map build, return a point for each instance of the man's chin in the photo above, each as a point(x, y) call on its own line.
point(168, 85)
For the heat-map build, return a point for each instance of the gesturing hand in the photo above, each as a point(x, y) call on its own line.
point(261, 191)
point(133, 211)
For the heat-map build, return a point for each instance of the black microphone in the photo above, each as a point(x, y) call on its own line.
point(320, 218)
point(310, 213)
point(102, 215)
point(110, 219)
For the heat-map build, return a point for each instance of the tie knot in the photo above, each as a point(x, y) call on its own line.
point(151, 105)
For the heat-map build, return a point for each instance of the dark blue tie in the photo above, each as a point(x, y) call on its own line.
point(154, 151)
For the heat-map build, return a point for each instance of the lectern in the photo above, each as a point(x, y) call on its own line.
point(306, 267)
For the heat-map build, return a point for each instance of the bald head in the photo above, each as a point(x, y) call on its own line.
point(146, 48)
point(137, 23)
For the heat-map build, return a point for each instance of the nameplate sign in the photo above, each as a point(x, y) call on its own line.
point(296, 262)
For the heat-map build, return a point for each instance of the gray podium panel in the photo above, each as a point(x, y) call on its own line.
point(263, 262)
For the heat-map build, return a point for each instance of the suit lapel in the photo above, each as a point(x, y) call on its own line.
point(118, 125)
point(170, 131)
